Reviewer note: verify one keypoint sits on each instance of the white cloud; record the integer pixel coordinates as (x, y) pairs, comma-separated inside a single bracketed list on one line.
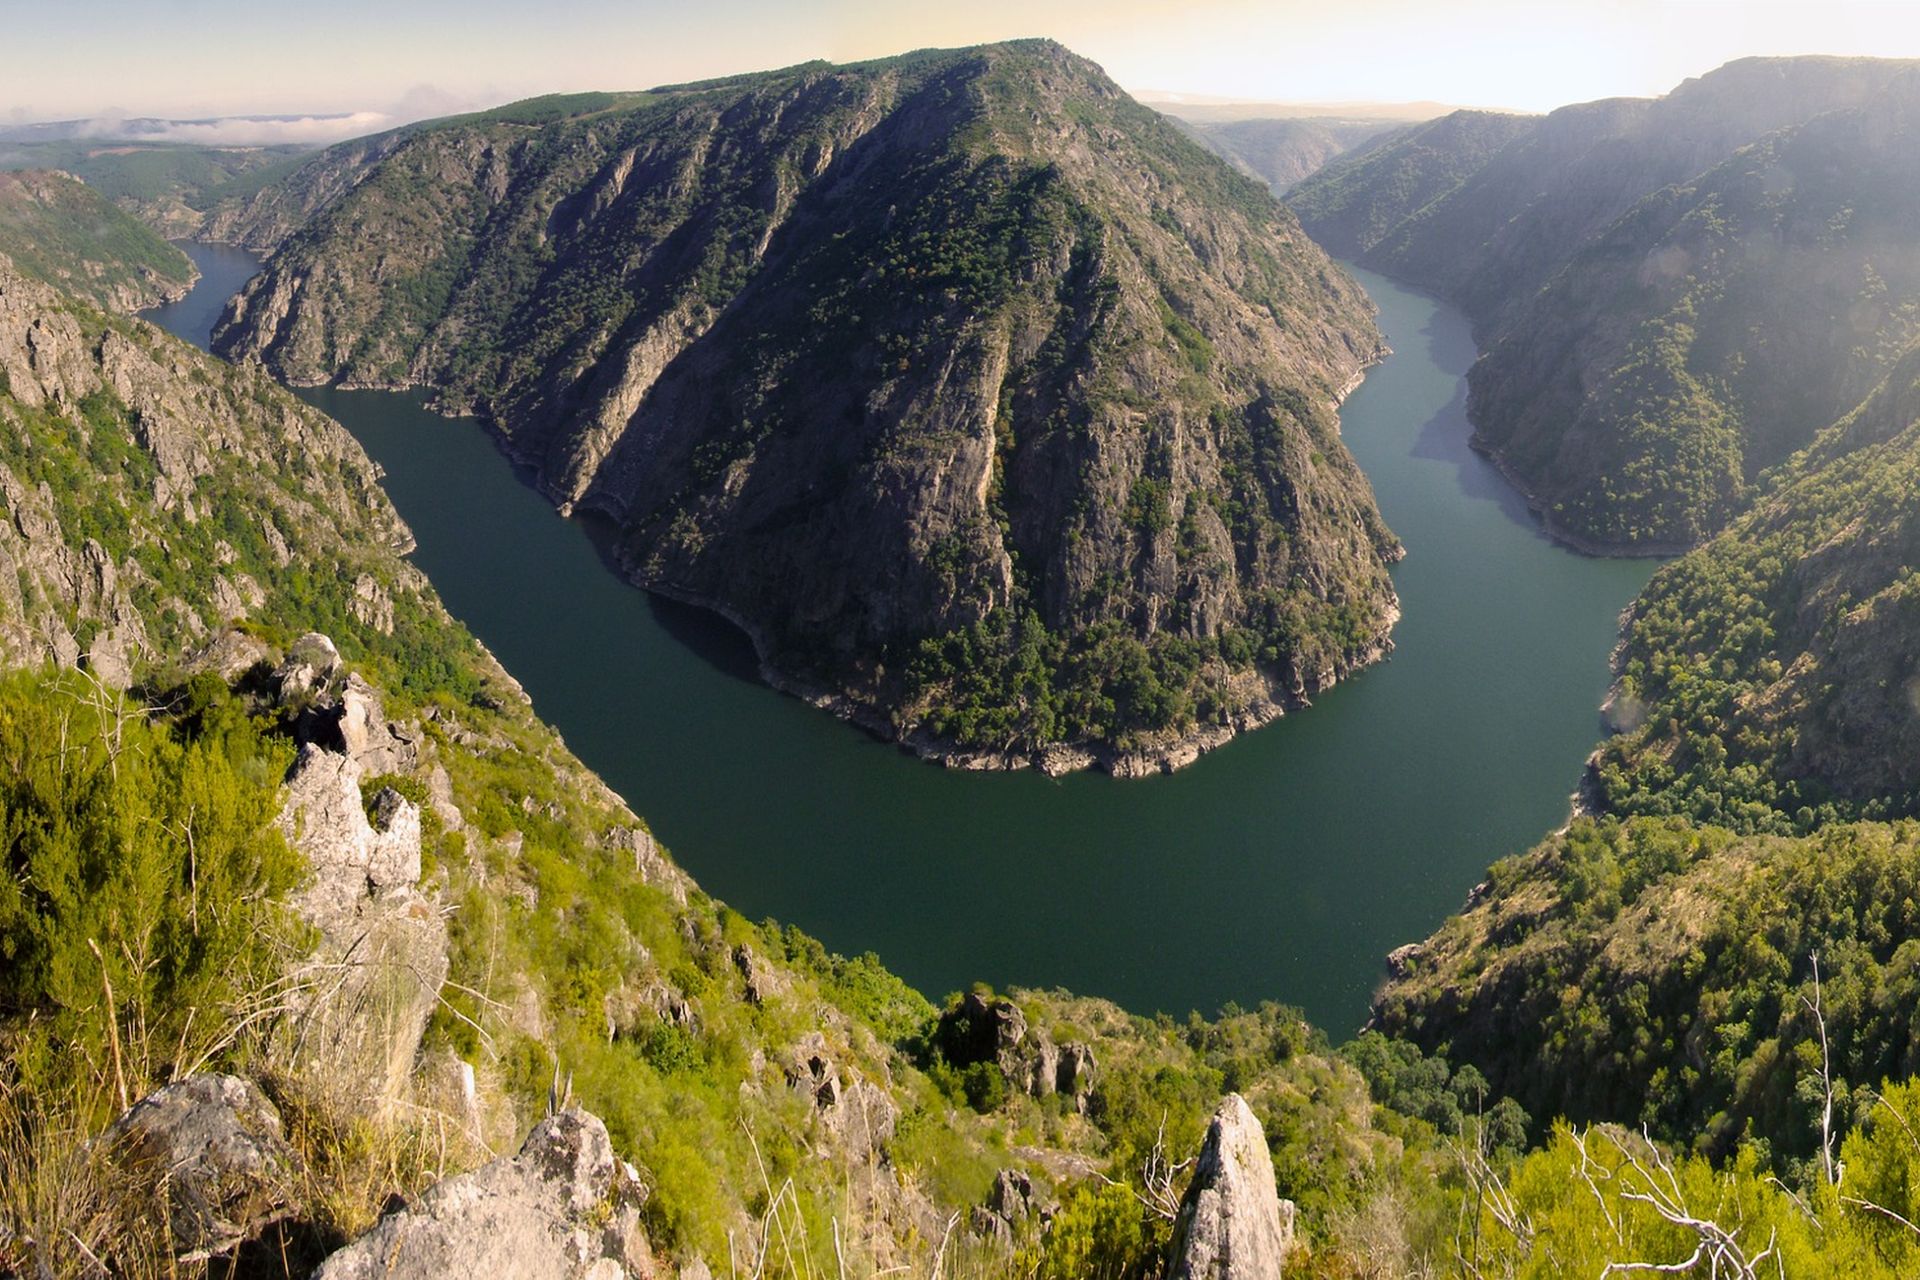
[(234, 131)]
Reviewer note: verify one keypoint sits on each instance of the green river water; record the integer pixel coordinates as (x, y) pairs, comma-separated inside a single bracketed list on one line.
[(1283, 866)]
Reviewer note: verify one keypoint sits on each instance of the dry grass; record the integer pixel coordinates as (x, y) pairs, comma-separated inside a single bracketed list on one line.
[(65, 1208)]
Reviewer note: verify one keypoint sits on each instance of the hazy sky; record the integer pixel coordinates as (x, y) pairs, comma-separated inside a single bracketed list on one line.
[(206, 57)]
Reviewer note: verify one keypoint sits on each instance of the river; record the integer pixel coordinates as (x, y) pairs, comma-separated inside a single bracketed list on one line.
[(1283, 866)]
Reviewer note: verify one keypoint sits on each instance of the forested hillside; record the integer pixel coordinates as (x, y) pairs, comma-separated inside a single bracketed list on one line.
[(1673, 294), (58, 230)]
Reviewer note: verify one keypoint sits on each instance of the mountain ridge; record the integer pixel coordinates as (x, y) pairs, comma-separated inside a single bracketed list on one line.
[(1624, 261), (1029, 308)]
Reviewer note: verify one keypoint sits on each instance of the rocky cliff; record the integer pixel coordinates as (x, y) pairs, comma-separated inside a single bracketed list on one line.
[(153, 495), (998, 413), (58, 230), (1673, 293)]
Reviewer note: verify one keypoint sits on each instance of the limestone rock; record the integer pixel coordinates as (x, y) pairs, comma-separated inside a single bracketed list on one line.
[(440, 799), (564, 1208), (1232, 1225), (210, 1151), (639, 1002)]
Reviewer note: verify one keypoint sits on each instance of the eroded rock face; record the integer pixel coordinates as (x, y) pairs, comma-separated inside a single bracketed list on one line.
[(563, 1208), (210, 1151), (649, 862), (223, 444), (1233, 1225)]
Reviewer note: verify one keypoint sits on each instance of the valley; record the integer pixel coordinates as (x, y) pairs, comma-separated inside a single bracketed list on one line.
[(1312, 847), (1471, 602)]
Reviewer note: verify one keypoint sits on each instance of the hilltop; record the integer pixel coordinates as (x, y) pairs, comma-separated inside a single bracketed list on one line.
[(997, 412)]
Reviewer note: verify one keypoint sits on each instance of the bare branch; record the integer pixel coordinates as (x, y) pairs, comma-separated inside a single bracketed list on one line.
[(1815, 1006)]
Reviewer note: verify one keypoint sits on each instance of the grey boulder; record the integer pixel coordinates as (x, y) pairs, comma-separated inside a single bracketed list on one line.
[(563, 1208), (209, 1150), (1232, 1224)]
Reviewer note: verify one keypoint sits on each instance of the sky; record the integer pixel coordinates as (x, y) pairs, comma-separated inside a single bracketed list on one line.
[(389, 60)]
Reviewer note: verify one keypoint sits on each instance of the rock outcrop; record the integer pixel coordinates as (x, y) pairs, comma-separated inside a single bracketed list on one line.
[(364, 997), (210, 1153), (1233, 1224), (982, 1030), (1011, 1202), (338, 711), (856, 1114), (564, 1208)]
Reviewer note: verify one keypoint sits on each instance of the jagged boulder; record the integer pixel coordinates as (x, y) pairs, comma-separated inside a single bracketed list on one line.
[(1009, 1204), (209, 1152), (338, 710), (309, 670), (1233, 1224), (1075, 1075), (563, 1208), (983, 1030)]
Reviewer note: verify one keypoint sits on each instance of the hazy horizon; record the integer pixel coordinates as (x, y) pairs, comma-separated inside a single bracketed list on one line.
[(198, 59)]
